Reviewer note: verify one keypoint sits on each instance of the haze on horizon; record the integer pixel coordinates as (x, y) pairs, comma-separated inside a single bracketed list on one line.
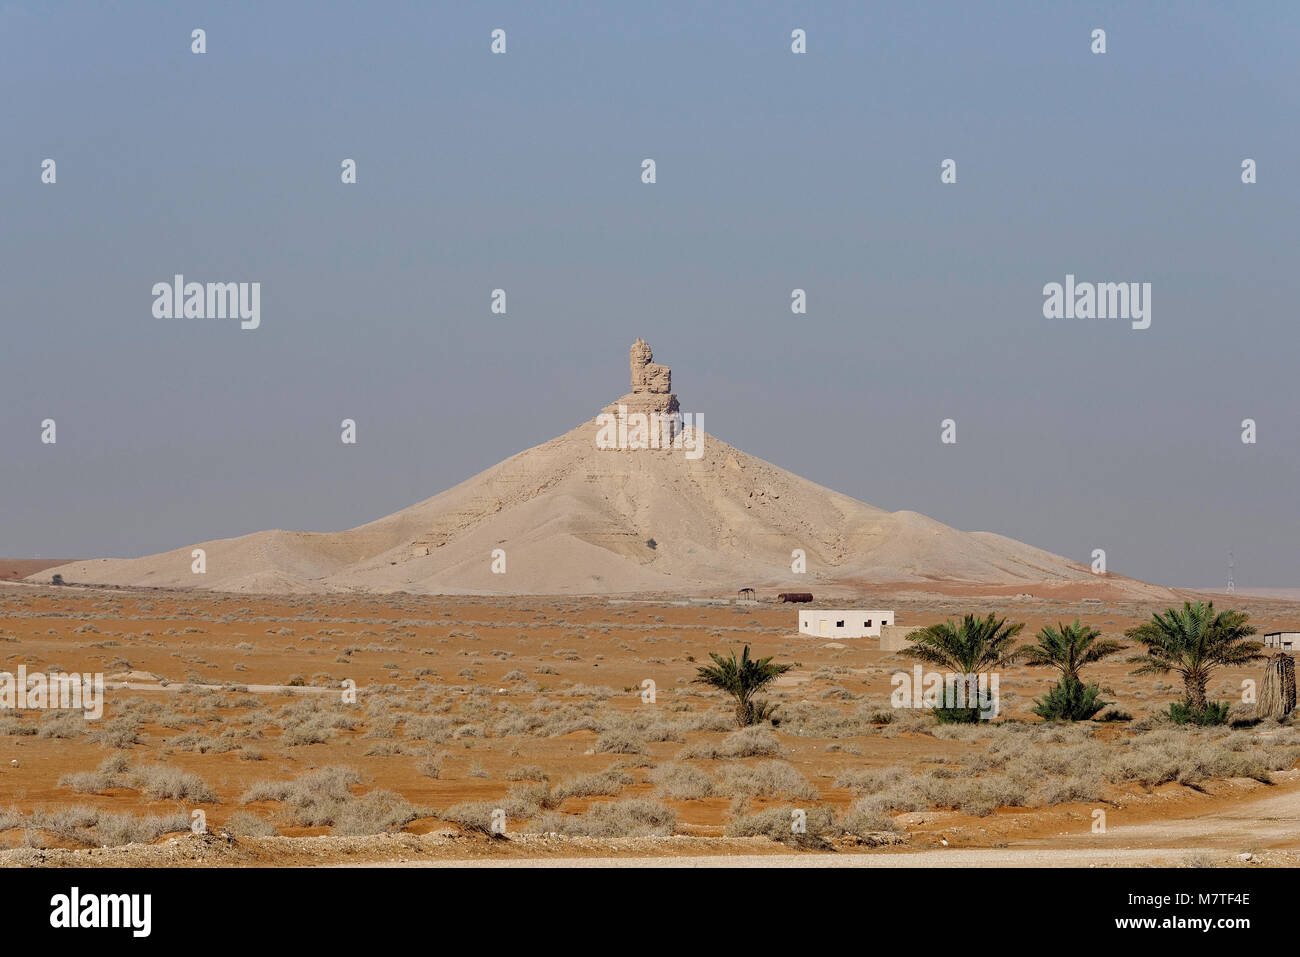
[(775, 171)]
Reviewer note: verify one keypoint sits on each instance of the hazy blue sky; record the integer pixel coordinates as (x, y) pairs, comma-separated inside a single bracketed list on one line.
[(775, 171)]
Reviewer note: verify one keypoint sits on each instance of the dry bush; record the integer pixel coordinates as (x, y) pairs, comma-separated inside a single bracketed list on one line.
[(156, 782), (92, 827), (247, 824), (526, 772), (809, 720), (474, 816), (323, 798), (332, 783), (607, 783), (867, 822), (524, 801), (778, 824), (754, 741), (637, 817), (1191, 756), (681, 782), (159, 782), (621, 740), (774, 779), (430, 727), (120, 732), (61, 724), (375, 812)]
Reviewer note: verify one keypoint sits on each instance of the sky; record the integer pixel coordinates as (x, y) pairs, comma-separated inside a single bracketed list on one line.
[(774, 171)]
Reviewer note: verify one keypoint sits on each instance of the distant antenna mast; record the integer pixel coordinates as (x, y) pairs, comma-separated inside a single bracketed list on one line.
[(1232, 573)]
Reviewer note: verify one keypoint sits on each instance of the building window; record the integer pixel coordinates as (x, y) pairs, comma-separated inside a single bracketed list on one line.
[(867, 623), (839, 624)]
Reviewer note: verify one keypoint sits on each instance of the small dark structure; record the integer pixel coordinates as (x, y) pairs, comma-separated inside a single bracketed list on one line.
[(746, 594), (799, 597)]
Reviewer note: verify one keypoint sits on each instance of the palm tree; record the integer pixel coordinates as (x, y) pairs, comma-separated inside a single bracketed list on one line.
[(973, 646), (969, 647), (742, 678), (1067, 648), (1193, 643)]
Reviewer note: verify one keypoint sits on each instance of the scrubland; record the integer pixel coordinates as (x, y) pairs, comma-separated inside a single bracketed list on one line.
[(536, 712)]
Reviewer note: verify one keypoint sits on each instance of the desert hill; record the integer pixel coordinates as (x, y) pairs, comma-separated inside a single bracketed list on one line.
[(575, 518)]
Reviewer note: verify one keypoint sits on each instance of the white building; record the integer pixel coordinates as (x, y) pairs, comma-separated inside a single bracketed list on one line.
[(843, 622), (1285, 640)]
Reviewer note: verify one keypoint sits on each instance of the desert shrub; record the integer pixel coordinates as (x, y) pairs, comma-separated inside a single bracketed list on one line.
[(871, 780), (776, 779), (315, 730), (780, 823), (1074, 789), (120, 732), (313, 798), (607, 783), (1172, 756), (247, 824), (979, 796), (525, 800), (473, 816), (810, 720), (111, 773), (1212, 713), (203, 744), (159, 782), (621, 741), (375, 812), (95, 828), (118, 829), (430, 727), (681, 782), (751, 742), (431, 767), (156, 782), (526, 772), (661, 730), (866, 822), (61, 724), (16, 727), (637, 817)]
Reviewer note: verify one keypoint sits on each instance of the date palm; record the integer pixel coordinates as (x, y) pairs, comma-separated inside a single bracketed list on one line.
[(1067, 648), (1194, 643), (742, 678), (968, 648)]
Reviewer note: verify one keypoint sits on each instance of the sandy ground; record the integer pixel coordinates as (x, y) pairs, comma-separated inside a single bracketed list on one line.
[(1210, 839), (166, 654), (12, 569)]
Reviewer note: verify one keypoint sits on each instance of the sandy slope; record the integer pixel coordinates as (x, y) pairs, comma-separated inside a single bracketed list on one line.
[(574, 519)]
